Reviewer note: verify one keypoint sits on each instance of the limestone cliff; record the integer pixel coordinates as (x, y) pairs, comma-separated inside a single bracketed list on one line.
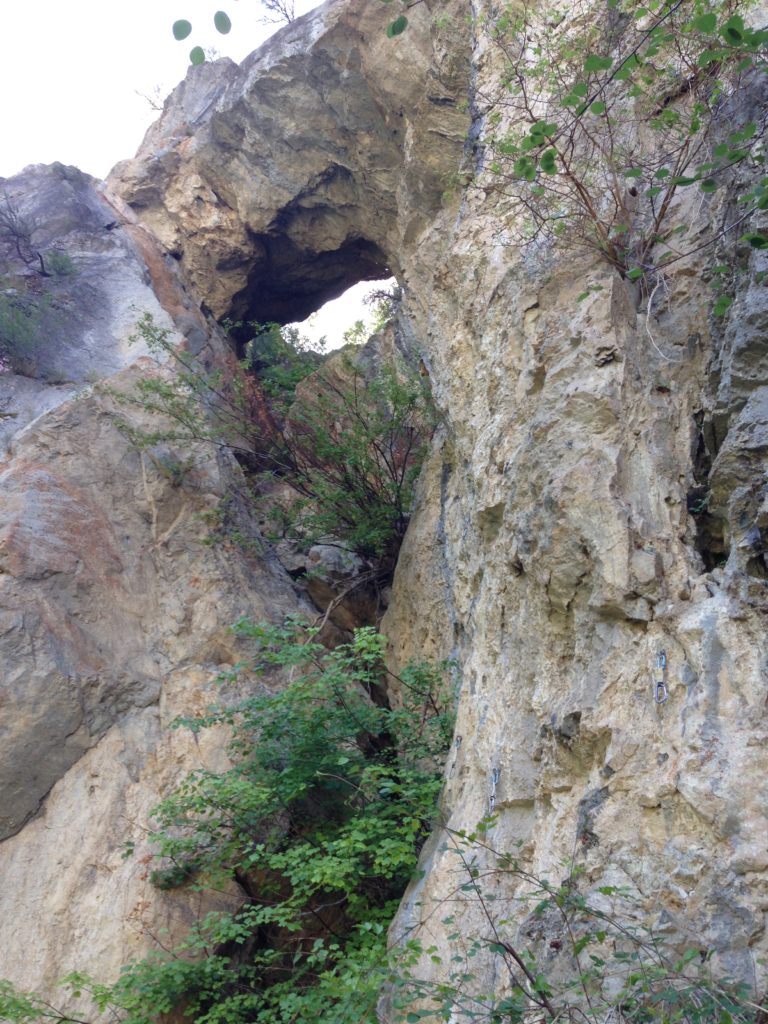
[(114, 612), (561, 544)]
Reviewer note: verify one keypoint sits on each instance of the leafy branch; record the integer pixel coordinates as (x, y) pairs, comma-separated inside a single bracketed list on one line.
[(596, 130), (348, 448)]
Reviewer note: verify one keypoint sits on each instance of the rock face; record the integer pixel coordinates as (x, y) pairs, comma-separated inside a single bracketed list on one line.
[(553, 555), (281, 182), (596, 498), (114, 612)]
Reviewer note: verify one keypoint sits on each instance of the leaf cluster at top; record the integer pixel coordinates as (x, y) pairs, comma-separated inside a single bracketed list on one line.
[(600, 123)]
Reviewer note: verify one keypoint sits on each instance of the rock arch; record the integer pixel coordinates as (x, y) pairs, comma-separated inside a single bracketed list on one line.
[(281, 182)]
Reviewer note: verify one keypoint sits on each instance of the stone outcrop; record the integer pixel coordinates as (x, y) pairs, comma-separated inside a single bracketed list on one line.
[(114, 608), (281, 182), (554, 554), (595, 497)]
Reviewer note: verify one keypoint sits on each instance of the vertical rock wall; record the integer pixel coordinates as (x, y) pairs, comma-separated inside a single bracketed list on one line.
[(563, 540), (596, 502)]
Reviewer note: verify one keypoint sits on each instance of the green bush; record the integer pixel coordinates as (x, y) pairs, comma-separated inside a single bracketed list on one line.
[(280, 359), (357, 445), (320, 821), (59, 264), (348, 446)]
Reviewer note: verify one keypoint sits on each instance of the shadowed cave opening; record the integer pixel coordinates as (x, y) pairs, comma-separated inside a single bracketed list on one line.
[(286, 283)]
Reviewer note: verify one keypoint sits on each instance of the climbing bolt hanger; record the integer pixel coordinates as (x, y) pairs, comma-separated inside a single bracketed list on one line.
[(495, 776), (660, 692)]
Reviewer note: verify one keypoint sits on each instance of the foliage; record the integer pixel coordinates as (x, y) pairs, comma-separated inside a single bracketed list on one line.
[(218, 407), (319, 820), (59, 264), (25, 300), (274, 11), (16, 243), (280, 359), (358, 445), (583, 958), (600, 123), (348, 448), (534, 951), (23, 318), (382, 304)]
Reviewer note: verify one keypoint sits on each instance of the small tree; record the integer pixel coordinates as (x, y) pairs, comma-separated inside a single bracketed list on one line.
[(348, 446), (600, 123), (16, 233)]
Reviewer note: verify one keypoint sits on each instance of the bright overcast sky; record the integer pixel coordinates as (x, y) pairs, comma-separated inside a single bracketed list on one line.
[(72, 73)]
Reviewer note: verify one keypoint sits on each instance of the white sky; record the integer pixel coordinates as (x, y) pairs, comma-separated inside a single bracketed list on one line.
[(71, 70), (70, 74)]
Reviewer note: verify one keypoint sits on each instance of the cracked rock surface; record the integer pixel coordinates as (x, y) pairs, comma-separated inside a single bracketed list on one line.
[(596, 496)]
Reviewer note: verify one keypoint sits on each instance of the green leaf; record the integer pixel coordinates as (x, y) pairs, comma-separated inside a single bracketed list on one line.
[(598, 107), (635, 273), (181, 29), (709, 56), (222, 22), (543, 128), (746, 133), (525, 168), (633, 172), (549, 161), (709, 185), (733, 30), (197, 55), (755, 239), (597, 63), (705, 23), (722, 305), (681, 179), (397, 27), (585, 294)]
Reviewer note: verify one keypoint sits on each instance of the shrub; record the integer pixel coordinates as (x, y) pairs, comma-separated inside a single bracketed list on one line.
[(59, 264), (280, 359), (320, 821), (548, 951), (601, 122), (348, 446), (356, 447)]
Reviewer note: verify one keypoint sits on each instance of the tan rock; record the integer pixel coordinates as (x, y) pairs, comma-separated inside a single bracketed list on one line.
[(552, 555)]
